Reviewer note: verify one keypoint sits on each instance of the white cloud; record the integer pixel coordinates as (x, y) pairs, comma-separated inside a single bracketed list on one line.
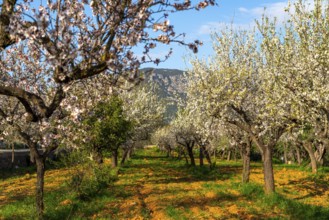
[(249, 15), (211, 27), (271, 10), (276, 10)]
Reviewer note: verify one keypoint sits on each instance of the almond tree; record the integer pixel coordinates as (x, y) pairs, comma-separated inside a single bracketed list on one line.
[(45, 47), (241, 140), (209, 127), (185, 133), (206, 127), (164, 139), (146, 110), (299, 54), (240, 89)]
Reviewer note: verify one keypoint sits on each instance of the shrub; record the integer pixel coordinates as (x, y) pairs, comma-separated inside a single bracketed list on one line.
[(90, 180)]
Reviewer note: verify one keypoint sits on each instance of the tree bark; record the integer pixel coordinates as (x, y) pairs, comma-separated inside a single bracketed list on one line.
[(235, 154), (12, 155), (285, 155), (223, 155), (228, 155), (310, 151), (319, 154), (268, 170), (40, 162), (299, 160), (114, 158), (201, 156), (206, 153), (168, 151), (130, 152), (124, 156), (246, 163), (190, 153)]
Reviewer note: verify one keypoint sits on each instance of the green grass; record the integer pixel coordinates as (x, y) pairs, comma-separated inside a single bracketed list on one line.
[(175, 213), (177, 189)]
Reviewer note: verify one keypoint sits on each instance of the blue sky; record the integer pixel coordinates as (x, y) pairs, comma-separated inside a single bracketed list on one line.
[(199, 25)]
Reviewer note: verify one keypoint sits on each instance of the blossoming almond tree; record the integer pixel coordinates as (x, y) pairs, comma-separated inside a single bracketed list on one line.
[(206, 127), (299, 55), (146, 110), (164, 139), (185, 133), (240, 90), (48, 46)]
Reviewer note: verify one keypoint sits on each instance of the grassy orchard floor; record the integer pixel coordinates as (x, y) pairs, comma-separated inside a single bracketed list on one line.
[(151, 186)]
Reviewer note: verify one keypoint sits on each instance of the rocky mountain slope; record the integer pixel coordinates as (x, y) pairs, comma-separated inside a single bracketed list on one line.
[(171, 85)]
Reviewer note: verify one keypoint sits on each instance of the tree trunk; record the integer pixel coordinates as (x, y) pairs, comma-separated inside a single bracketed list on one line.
[(223, 155), (124, 156), (32, 159), (40, 162), (228, 155), (246, 163), (268, 170), (12, 155), (285, 155), (114, 158), (319, 154), (130, 152), (310, 151), (190, 154), (168, 152), (206, 153), (235, 155), (201, 155), (299, 160), (179, 156), (186, 159)]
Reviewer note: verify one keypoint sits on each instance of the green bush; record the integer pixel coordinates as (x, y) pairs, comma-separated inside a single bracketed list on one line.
[(88, 182)]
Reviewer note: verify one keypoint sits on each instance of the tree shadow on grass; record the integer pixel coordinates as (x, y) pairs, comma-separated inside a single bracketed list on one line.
[(22, 171), (296, 209), (16, 172), (315, 185)]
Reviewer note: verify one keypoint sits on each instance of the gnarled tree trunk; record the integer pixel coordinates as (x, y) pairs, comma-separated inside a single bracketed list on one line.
[(189, 147), (228, 155), (12, 155), (206, 153), (125, 155), (115, 158), (298, 157), (319, 154), (246, 162), (201, 156), (268, 170), (285, 154), (309, 148), (40, 162)]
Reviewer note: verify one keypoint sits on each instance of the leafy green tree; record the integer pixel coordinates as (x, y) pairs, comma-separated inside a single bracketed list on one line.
[(108, 128)]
